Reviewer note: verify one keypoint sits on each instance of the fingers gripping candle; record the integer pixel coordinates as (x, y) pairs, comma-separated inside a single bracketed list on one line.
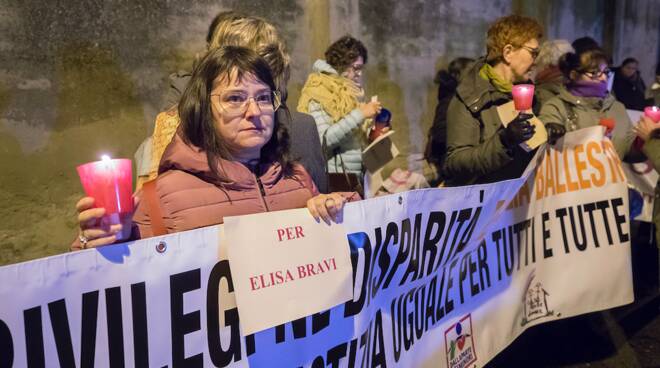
[(110, 182)]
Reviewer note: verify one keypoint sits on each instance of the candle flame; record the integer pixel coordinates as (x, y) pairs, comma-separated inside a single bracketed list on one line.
[(105, 158)]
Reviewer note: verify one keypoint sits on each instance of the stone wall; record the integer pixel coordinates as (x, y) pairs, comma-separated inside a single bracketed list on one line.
[(81, 78)]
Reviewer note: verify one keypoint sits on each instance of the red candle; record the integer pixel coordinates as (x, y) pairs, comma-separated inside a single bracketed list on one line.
[(523, 96), (652, 112), (110, 183)]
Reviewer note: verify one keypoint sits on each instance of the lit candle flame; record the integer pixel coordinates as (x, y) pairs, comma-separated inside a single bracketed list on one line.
[(105, 158)]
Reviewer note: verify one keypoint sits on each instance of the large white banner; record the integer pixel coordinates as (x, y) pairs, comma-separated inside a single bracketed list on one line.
[(442, 278)]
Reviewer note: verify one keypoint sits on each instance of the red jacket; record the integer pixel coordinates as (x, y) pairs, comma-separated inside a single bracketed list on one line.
[(191, 196)]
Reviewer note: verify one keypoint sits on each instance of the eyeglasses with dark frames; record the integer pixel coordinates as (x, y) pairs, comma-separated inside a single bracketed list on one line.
[(532, 51), (596, 74)]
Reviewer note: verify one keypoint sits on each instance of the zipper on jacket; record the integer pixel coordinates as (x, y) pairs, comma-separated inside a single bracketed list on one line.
[(262, 192)]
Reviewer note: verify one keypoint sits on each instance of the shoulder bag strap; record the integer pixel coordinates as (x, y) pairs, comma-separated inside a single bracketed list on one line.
[(152, 203)]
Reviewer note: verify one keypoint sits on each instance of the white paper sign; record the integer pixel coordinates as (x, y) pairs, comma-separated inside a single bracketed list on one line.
[(286, 266)]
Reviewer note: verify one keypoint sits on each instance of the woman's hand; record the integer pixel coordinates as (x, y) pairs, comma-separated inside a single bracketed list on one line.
[(328, 207), (645, 127), (371, 109), (94, 231)]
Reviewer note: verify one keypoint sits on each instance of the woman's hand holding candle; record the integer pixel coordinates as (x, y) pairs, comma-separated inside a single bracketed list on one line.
[(105, 214), (517, 131), (645, 128), (95, 230)]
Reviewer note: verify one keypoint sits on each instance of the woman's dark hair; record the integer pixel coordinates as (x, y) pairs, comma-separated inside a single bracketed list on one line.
[(343, 52), (585, 43), (586, 61), (447, 80), (197, 124)]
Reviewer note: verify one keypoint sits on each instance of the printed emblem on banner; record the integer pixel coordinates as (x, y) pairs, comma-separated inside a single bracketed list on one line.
[(459, 344), (535, 302)]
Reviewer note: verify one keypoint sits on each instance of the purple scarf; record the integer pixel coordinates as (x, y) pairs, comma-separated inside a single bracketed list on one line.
[(588, 89)]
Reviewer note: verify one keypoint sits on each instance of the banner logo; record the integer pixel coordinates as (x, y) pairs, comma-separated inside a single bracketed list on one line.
[(535, 302), (459, 344)]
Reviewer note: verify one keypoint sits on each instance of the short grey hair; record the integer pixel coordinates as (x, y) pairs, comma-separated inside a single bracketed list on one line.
[(551, 51)]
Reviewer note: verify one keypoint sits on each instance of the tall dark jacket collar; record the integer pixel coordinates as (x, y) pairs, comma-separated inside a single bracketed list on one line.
[(476, 92)]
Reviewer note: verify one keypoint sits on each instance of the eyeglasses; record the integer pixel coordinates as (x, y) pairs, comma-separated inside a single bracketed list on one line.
[(595, 75), (532, 51), (236, 103), (357, 68)]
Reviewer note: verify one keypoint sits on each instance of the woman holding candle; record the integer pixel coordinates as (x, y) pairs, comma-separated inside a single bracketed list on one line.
[(229, 157), (479, 148), (332, 94), (585, 101)]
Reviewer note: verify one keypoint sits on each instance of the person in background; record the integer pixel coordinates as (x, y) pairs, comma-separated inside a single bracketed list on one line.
[(333, 95), (549, 79), (585, 101), (479, 148), (235, 29), (229, 157), (629, 88), (436, 146), (219, 25)]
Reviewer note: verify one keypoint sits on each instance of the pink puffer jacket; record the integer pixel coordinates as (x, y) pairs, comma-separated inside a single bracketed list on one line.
[(192, 197)]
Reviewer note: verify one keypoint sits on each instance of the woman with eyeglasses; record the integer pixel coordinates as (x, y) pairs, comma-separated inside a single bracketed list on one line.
[(333, 95), (480, 149), (229, 156), (585, 101)]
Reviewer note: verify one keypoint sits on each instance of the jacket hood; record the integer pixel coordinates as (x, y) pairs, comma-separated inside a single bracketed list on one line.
[(554, 87), (474, 90), (322, 66), (183, 156)]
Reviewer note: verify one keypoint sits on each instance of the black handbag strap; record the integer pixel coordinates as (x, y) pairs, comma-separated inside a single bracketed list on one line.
[(324, 147)]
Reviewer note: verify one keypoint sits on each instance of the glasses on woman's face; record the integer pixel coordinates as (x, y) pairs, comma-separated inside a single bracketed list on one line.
[(237, 103), (357, 68), (534, 52), (597, 74)]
